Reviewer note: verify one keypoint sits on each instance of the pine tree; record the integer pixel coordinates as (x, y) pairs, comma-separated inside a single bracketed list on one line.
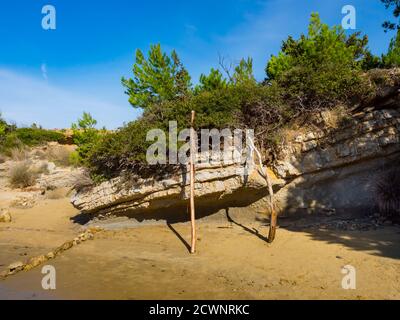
[(157, 78)]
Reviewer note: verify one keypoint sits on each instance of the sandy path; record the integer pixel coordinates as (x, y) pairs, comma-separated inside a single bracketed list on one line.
[(232, 262)]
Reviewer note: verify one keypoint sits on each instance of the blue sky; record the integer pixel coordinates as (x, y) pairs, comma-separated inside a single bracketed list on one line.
[(51, 77)]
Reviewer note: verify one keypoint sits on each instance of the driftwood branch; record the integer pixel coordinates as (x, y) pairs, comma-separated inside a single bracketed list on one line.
[(264, 173)]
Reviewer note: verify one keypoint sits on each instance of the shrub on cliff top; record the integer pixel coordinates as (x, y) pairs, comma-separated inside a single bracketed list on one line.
[(319, 69), (121, 150), (158, 78), (126, 148), (85, 136)]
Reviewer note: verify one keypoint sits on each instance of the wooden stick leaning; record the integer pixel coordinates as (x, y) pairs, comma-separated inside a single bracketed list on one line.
[(192, 178)]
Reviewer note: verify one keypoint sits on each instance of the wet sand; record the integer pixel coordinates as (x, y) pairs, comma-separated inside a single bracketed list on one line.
[(233, 260)]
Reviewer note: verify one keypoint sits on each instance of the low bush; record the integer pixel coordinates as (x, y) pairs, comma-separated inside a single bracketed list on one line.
[(321, 69), (74, 159), (19, 154), (36, 136), (21, 175), (27, 137), (122, 150), (9, 142), (85, 136)]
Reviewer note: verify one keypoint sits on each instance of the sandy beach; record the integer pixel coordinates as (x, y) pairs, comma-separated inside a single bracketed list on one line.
[(233, 261)]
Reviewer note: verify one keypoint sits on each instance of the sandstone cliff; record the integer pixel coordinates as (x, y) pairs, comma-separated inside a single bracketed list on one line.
[(317, 170), (217, 186), (336, 170)]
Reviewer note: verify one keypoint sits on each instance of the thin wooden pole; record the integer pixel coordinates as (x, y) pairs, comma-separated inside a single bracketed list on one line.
[(192, 177)]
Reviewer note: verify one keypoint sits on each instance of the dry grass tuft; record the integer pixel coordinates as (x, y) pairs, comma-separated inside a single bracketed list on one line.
[(42, 169), (60, 155), (288, 135), (19, 154), (21, 175), (40, 154), (335, 118)]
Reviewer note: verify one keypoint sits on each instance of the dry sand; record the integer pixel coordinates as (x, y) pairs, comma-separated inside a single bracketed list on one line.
[(233, 260)]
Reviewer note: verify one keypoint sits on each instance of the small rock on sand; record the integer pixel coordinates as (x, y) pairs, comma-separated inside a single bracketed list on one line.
[(15, 267), (35, 261), (5, 216), (50, 255)]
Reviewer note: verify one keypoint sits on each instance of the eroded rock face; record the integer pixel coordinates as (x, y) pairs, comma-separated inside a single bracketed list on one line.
[(319, 170), (337, 169), (61, 178), (367, 135), (216, 187)]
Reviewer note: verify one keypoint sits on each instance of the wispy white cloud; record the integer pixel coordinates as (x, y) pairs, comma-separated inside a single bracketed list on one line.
[(258, 35), (43, 68), (190, 29), (26, 99)]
